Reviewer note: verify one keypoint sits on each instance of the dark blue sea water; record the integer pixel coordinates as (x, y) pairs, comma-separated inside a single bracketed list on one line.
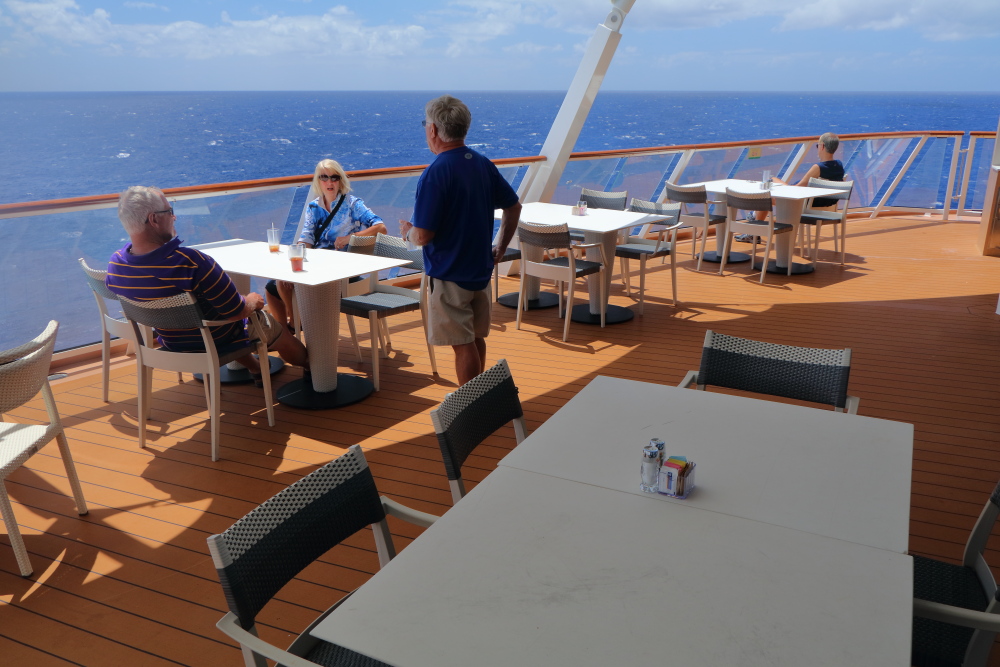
[(58, 145)]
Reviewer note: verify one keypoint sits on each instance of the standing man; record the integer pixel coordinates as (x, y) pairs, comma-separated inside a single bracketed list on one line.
[(453, 221), (154, 265)]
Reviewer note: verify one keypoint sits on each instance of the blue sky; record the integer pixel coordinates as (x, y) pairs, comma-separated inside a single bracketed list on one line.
[(863, 45)]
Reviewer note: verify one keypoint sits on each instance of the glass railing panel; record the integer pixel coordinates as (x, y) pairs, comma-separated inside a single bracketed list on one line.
[(710, 165), (873, 166), (924, 183), (593, 174), (42, 277), (757, 159), (975, 196), (642, 175)]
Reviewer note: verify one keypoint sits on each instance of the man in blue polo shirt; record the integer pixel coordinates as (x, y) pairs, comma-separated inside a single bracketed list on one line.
[(453, 221)]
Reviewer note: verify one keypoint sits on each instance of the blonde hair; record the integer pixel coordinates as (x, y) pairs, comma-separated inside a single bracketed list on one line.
[(324, 166)]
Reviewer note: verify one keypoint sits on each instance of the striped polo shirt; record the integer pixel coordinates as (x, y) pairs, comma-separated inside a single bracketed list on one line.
[(170, 270)]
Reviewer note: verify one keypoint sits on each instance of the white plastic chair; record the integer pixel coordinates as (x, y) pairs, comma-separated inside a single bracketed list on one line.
[(24, 371)]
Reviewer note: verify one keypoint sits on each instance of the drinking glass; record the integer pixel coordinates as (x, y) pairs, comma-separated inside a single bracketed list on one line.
[(581, 207), (766, 180), (274, 239), (296, 254)]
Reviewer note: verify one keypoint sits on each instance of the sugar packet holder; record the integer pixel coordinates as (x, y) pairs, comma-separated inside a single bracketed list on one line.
[(676, 486)]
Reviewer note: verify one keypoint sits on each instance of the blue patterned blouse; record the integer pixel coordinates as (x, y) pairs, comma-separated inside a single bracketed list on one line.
[(352, 218)]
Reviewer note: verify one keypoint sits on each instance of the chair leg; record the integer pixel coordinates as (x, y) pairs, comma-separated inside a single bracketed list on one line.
[(354, 337), (767, 256), (604, 297), (384, 328), (704, 238), (74, 479), (105, 362), (626, 270), (673, 275), (642, 283), (14, 533), (725, 249), (843, 239), (569, 307), (521, 290), (374, 327), (215, 407), (266, 377), (430, 348), (143, 402)]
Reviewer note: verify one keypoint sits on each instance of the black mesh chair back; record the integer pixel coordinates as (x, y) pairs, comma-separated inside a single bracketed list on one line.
[(173, 312), (803, 373), (748, 201), (394, 247), (473, 412), (949, 597), (268, 547), (670, 212), (686, 194), (600, 199), (544, 236)]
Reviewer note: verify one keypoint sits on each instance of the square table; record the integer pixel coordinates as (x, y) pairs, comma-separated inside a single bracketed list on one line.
[(318, 300), (788, 204), (529, 569), (824, 472), (599, 226)]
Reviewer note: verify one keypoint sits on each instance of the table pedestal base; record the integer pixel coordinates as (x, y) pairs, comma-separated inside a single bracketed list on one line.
[(350, 389), (797, 269), (544, 300), (242, 376), (716, 258), (614, 315)]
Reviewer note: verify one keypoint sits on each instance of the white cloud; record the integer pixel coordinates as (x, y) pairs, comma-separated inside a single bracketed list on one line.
[(530, 48), (338, 31), (145, 5)]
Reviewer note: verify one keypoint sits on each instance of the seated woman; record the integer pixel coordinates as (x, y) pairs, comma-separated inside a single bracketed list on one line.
[(330, 221)]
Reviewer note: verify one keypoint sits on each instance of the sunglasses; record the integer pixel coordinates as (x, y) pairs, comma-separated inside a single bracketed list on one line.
[(169, 210), (335, 177)]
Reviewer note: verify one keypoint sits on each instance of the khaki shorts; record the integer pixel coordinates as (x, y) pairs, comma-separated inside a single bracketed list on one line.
[(457, 316), (271, 327)]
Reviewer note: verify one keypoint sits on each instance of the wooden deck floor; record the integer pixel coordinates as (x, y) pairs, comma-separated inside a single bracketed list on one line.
[(132, 582)]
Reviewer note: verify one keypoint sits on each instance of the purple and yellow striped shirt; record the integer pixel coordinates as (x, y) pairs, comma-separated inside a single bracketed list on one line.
[(170, 270)]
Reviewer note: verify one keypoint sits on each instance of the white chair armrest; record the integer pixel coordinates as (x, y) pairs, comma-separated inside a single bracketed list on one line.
[(392, 289), (689, 379), (229, 624), (945, 613), (852, 405), (407, 514)]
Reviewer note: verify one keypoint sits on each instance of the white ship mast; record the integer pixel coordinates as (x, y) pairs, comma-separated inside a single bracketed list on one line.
[(541, 180)]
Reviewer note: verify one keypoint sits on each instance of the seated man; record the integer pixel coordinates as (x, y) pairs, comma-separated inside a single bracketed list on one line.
[(827, 168), (155, 265)]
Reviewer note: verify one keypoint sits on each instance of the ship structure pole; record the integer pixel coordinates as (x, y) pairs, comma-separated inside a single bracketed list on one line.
[(540, 182)]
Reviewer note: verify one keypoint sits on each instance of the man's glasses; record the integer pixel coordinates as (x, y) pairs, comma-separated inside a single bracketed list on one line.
[(423, 123), (333, 177), (169, 210)]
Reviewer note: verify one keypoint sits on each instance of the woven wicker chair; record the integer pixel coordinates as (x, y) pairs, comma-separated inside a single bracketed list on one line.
[(268, 547), (470, 414), (803, 373), (752, 201), (182, 312), (641, 248), (817, 217), (955, 607), (110, 326), (375, 302), (687, 196), (613, 201), (560, 269), (24, 371)]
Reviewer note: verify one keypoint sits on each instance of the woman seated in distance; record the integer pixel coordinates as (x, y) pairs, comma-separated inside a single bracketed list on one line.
[(331, 219)]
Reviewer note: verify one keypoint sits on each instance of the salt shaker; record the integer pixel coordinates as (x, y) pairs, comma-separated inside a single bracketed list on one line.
[(650, 469)]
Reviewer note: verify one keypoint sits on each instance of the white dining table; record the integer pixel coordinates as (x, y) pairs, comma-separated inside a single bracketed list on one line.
[(789, 201), (530, 569), (824, 472), (599, 226), (318, 300)]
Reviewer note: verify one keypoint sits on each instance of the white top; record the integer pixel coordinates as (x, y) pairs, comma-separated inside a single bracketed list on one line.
[(598, 220), (534, 570), (777, 191), (253, 258), (826, 472)]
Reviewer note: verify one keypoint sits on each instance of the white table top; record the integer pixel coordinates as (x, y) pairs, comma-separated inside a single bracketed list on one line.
[(531, 570), (777, 191), (597, 220), (253, 258), (829, 473)]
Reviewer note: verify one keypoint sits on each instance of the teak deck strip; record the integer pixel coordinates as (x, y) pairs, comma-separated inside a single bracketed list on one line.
[(132, 582)]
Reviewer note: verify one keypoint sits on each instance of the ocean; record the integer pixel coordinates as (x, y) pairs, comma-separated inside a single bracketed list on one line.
[(58, 145)]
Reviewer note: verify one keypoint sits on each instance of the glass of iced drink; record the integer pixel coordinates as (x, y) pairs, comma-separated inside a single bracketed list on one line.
[(296, 254), (274, 239)]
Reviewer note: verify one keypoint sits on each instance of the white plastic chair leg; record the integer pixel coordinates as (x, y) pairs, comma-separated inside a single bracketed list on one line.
[(214, 408), (71, 475), (105, 363), (704, 239), (604, 297), (520, 299), (569, 307), (14, 533), (626, 271), (642, 283), (143, 402), (373, 326), (384, 328), (673, 275), (767, 255), (354, 337)]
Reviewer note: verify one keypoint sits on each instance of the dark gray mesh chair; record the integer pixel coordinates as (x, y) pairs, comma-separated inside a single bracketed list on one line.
[(509, 255), (803, 373), (375, 301), (470, 414), (182, 312), (268, 547), (955, 607), (560, 269), (752, 201), (834, 215), (614, 201), (689, 196), (641, 248)]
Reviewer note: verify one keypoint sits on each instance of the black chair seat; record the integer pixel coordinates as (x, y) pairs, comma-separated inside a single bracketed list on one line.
[(779, 227), (820, 216), (382, 302), (716, 219), (578, 236), (333, 655), (936, 643), (583, 267), (639, 250), (510, 254)]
